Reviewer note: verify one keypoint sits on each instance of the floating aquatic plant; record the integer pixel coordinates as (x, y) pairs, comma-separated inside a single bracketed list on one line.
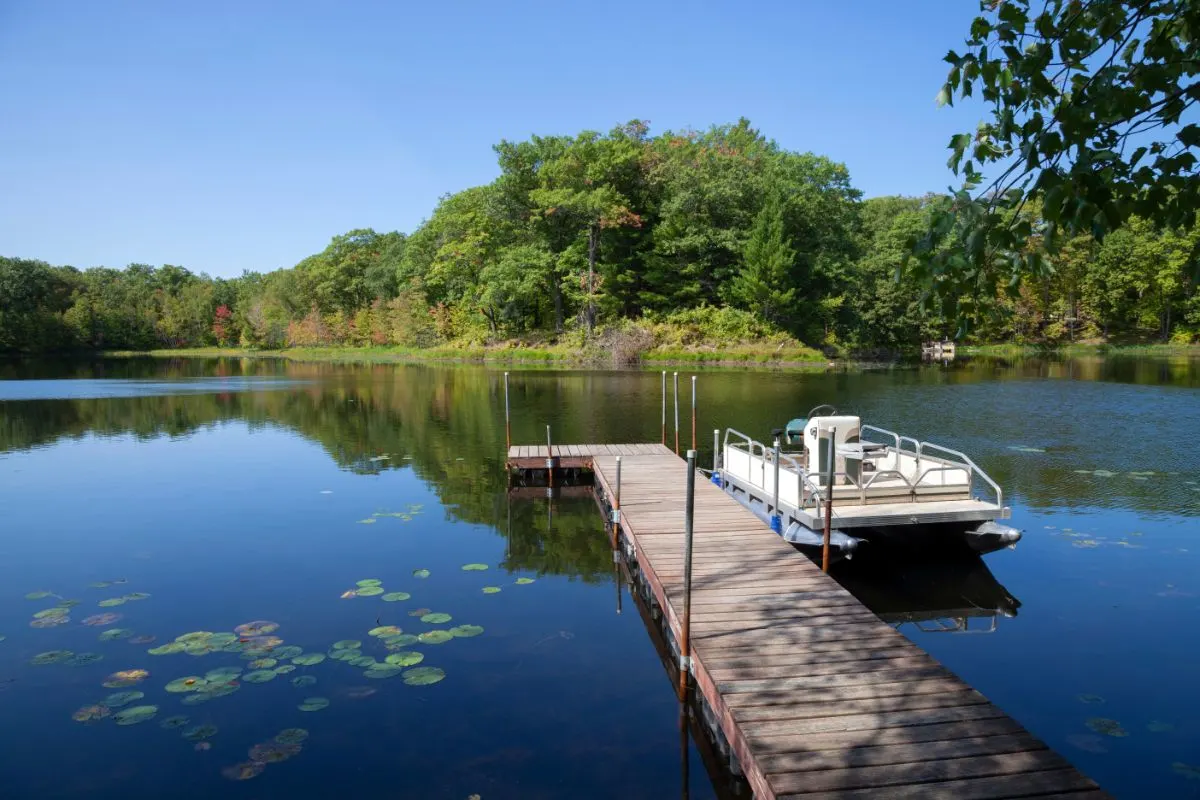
[(261, 642), (170, 648), (99, 585), (1085, 543), (405, 658), (370, 591), (100, 620), (222, 674), (118, 699), (126, 677), (49, 622), (200, 649), (259, 676), (112, 601), (421, 573), (38, 595), (419, 612), (273, 752), (259, 627), (474, 567), (423, 676), (347, 644), (82, 659), (466, 631), (435, 637), (291, 736), (188, 683), (362, 661), (136, 596), (345, 655), (91, 713), (244, 771), (368, 582), (308, 659), (200, 732), (288, 652), (314, 704), (135, 715), (490, 589), (50, 657), (51, 612), (177, 721), (367, 521), (68, 603), (142, 639), (1108, 727), (383, 631), (262, 663), (113, 634), (195, 637), (303, 680), (222, 639), (524, 581), (380, 671), (284, 669), (394, 597), (396, 642)]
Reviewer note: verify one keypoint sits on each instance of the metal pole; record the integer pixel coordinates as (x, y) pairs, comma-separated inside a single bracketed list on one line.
[(776, 519), (828, 502), (616, 517), (676, 413), (685, 653), (716, 449), (664, 416), (693, 412), (507, 423), (549, 459)]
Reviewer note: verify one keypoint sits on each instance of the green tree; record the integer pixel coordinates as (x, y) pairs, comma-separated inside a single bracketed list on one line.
[(764, 283)]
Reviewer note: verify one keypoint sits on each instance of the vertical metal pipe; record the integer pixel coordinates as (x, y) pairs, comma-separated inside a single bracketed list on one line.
[(664, 416), (676, 413), (616, 507), (716, 449), (549, 459), (776, 518), (829, 501), (507, 423), (693, 412), (685, 652)]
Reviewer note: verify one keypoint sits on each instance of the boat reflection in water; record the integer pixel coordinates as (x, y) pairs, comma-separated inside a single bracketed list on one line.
[(947, 596)]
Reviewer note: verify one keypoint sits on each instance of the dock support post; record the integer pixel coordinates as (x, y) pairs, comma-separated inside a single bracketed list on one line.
[(693, 412), (549, 459), (716, 471), (616, 509), (507, 424), (685, 651), (828, 502), (676, 413), (664, 416), (776, 518)]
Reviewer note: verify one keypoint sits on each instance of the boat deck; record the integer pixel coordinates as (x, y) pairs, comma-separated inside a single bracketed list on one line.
[(817, 696), (847, 515)]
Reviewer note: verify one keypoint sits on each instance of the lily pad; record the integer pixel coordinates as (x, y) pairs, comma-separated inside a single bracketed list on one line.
[(142, 639), (113, 634), (259, 676), (221, 674), (83, 659), (68, 603), (308, 659), (466, 631), (421, 573), (291, 736), (244, 771), (474, 567), (51, 612), (136, 595), (423, 676), (168, 649), (38, 595), (200, 733), (436, 618), (524, 581), (370, 591), (49, 622), (314, 704), (91, 713), (419, 612), (124, 678), (263, 663), (50, 657), (100, 620), (288, 652), (490, 589), (363, 661), (435, 637), (383, 671), (110, 602), (99, 585), (384, 631), (284, 669), (118, 699), (135, 715), (369, 582), (194, 637), (367, 521), (347, 644), (221, 639), (403, 640), (1108, 727), (345, 655), (188, 683), (259, 627), (304, 680), (273, 752), (405, 658), (394, 597), (177, 721)]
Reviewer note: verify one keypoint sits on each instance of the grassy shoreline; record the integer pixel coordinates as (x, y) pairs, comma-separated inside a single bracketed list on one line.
[(1088, 349)]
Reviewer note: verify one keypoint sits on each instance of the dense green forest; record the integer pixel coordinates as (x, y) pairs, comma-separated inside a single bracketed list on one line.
[(625, 241)]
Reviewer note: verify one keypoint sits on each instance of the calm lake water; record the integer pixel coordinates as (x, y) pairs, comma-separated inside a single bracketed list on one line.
[(233, 491)]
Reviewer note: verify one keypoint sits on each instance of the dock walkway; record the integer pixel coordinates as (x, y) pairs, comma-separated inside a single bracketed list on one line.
[(817, 697)]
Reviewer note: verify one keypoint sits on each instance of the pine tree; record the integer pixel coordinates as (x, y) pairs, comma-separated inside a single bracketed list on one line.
[(762, 284)]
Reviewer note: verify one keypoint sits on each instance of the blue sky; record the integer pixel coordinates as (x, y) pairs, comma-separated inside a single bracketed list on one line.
[(227, 136)]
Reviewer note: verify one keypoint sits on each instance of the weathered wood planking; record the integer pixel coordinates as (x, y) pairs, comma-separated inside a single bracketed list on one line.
[(817, 697)]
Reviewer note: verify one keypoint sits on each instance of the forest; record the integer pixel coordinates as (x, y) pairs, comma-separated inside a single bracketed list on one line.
[(626, 241)]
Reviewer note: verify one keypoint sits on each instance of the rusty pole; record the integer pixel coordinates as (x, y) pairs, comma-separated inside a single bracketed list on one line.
[(664, 416), (616, 509), (507, 424), (693, 412), (828, 502), (676, 413), (685, 652)]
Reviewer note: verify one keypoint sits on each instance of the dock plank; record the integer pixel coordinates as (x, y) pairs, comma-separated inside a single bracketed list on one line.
[(817, 697)]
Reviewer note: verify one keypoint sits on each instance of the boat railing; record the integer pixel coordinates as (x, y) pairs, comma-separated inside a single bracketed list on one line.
[(765, 455), (920, 451)]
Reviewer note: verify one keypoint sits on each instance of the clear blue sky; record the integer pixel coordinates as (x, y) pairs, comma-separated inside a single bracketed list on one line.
[(224, 136)]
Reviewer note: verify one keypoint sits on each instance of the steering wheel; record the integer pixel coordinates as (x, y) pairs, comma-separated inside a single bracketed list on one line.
[(831, 411)]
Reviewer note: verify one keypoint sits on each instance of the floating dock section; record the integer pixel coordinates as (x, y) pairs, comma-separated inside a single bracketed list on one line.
[(815, 695)]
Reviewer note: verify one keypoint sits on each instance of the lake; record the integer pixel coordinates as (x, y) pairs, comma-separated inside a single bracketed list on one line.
[(330, 511)]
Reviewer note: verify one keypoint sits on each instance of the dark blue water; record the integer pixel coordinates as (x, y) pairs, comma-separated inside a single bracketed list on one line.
[(236, 491)]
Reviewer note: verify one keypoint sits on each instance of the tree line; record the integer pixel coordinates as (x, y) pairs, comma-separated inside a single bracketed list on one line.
[(594, 233)]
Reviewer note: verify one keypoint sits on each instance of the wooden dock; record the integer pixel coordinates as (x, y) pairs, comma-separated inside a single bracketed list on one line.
[(817, 697)]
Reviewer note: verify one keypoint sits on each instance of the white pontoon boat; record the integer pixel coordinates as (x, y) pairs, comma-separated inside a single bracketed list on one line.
[(888, 490)]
